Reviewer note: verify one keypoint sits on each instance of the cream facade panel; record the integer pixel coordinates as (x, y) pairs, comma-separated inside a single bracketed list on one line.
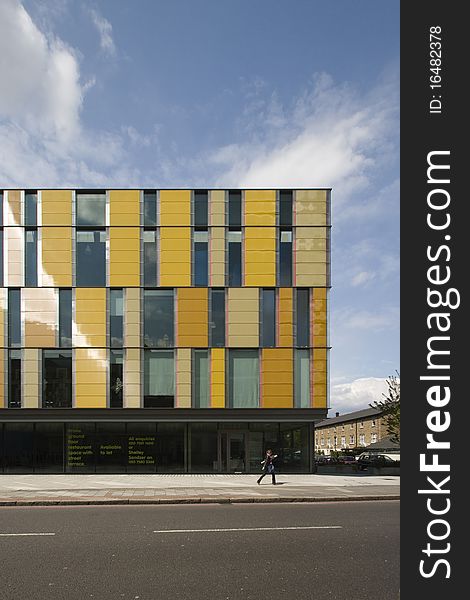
[(217, 257), (14, 252), (3, 314), (311, 267), (243, 318), (217, 208), (183, 378), (132, 319), (12, 207), (3, 399), (311, 207), (132, 378), (31, 357), (40, 312)]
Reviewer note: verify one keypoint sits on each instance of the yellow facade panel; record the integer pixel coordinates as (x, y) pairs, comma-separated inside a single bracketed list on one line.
[(56, 207), (56, 258), (90, 394), (90, 317), (192, 315), (175, 207), (39, 311), (260, 207), (12, 209), (217, 208), (285, 317), (260, 256), (175, 264), (124, 207), (124, 262), (217, 365), (277, 378)]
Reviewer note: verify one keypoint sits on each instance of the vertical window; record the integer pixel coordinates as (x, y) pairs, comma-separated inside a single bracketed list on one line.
[(234, 239), (65, 318), (201, 209), (30, 209), (116, 318), (150, 208), (200, 258), (159, 379), (285, 258), (200, 387), (31, 257), (116, 378), (150, 257), (302, 318), (158, 318), (243, 378), (57, 379), (217, 318), (91, 258), (285, 208), (14, 379), (235, 209), (302, 378), (91, 209), (14, 317), (268, 318)]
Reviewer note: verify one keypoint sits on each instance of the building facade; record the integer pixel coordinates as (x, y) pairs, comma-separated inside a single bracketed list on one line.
[(352, 430), (162, 330)]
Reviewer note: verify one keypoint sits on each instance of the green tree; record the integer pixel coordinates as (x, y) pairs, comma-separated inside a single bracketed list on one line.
[(390, 407)]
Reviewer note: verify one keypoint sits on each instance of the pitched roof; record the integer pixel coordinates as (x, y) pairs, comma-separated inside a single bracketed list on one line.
[(384, 444), (354, 416)]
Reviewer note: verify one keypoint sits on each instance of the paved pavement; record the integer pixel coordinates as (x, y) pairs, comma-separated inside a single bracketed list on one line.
[(192, 489)]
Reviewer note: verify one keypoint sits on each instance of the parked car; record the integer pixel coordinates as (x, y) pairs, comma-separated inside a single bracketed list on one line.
[(376, 460), (347, 459)]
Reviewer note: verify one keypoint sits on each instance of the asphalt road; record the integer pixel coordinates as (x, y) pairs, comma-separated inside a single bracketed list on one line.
[(334, 551)]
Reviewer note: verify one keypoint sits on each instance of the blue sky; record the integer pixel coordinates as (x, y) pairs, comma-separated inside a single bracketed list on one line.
[(212, 93)]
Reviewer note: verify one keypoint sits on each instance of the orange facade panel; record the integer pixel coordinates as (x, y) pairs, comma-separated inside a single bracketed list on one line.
[(217, 385), (192, 320), (285, 318), (175, 207), (319, 317), (124, 256), (277, 378), (319, 378), (56, 207)]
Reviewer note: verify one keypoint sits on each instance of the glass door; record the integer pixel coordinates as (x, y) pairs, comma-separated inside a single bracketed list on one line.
[(233, 451)]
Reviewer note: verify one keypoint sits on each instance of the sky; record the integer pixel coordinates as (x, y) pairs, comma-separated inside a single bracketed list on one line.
[(211, 93)]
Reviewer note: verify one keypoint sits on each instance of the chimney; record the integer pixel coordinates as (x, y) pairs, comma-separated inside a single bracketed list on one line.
[(337, 414)]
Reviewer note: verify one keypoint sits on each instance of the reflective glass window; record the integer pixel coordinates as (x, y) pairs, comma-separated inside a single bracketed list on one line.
[(268, 318), (201, 270), (200, 208), (80, 447), (235, 209), (65, 318), (14, 317), (159, 379), (302, 317), (150, 257), (217, 318), (48, 447), (57, 379), (31, 257), (302, 378), (200, 379), (150, 208), (158, 318), (116, 379), (234, 239), (91, 258), (18, 446), (204, 447), (243, 379), (285, 258), (91, 210), (116, 312), (111, 447), (30, 209), (14, 379), (170, 447), (285, 208)]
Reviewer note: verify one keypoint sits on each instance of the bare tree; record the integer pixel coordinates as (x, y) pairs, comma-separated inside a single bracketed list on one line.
[(390, 407)]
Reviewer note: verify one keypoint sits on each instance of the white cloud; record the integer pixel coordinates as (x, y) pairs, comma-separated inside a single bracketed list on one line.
[(357, 394), (41, 90), (362, 278), (383, 319), (105, 30)]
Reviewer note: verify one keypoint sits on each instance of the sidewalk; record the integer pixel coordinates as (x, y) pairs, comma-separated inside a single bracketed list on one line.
[(23, 490)]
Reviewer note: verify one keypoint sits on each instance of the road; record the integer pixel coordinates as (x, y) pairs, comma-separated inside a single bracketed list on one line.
[(335, 551)]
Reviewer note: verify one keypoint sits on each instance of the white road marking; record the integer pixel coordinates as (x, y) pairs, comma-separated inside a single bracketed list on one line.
[(22, 534), (247, 529)]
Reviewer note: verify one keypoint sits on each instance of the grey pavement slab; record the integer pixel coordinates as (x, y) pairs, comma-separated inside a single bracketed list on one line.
[(111, 489)]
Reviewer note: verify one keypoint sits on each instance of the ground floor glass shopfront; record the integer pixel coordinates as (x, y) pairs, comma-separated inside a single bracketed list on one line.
[(153, 447)]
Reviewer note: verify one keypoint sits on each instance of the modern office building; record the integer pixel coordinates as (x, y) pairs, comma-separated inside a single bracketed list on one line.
[(162, 330)]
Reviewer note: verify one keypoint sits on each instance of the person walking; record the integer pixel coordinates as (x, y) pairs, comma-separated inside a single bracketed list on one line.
[(268, 466)]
